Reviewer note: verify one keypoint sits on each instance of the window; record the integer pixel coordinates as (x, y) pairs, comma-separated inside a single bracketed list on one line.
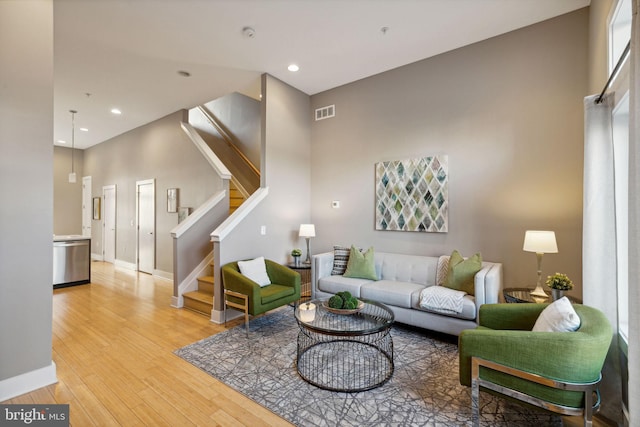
[(619, 31), (621, 176)]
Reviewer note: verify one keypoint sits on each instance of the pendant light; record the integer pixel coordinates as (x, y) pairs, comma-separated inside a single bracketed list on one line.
[(72, 175)]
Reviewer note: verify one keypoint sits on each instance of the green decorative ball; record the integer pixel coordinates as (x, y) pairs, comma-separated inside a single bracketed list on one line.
[(336, 301)]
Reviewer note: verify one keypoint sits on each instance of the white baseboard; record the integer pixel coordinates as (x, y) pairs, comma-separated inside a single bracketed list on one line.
[(125, 265), (27, 382), (177, 302), (97, 257), (217, 316), (163, 275)]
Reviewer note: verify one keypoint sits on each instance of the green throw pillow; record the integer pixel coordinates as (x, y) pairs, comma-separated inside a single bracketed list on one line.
[(461, 274), (361, 265)]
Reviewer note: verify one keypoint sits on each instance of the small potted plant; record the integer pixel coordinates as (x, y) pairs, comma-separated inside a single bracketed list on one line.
[(296, 253), (559, 283)]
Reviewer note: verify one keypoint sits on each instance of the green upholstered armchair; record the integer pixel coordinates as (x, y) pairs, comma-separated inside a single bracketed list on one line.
[(558, 371), (245, 294)]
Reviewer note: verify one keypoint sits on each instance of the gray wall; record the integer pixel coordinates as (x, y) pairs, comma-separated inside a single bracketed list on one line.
[(159, 150), (286, 172), (508, 113), (240, 115), (26, 168), (67, 197)]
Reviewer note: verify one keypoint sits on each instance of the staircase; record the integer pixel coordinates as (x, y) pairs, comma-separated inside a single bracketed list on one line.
[(201, 301), (235, 197)]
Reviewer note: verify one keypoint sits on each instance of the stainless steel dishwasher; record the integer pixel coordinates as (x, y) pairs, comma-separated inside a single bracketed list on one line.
[(71, 260)]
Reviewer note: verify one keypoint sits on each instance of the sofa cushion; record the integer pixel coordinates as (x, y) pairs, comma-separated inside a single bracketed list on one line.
[(462, 272), (468, 309), (407, 268), (399, 294), (335, 284), (272, 293), (361, 265)]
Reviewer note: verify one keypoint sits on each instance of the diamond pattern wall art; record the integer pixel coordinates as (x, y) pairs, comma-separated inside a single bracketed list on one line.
[(413, 195)]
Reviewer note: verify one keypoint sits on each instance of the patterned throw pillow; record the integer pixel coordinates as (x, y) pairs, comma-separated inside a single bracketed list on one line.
[(443, 269), (340, 260)]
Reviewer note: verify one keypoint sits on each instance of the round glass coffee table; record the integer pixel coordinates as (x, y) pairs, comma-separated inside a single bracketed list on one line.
[(345, 352)]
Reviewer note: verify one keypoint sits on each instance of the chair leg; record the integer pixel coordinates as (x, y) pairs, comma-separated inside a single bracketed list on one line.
[(475, 393), (244, 306), (588, 408)]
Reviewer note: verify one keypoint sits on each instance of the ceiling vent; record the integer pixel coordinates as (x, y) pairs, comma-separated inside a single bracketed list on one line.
[(325, 112)]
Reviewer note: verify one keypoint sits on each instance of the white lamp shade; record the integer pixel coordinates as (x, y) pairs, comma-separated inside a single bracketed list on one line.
[(307, 230), (543, 242)]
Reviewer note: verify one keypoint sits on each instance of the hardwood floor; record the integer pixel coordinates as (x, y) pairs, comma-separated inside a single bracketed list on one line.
[(113, 343)]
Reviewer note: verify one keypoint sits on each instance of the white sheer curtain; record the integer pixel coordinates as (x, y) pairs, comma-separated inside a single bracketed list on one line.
[(634, 221), (599, 282)]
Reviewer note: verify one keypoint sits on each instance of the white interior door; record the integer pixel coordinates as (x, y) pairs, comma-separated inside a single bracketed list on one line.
[(146, 225), (109, 223), (87, 207)]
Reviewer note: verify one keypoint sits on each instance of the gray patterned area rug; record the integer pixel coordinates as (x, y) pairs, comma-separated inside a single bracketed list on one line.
[(424, 389)]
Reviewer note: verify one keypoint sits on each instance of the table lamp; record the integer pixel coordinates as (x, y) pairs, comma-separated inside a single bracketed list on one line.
[(307, 231), (540, 242)]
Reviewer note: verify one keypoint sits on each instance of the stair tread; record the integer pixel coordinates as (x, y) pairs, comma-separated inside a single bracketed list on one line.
[(208, 279), (204, 297)]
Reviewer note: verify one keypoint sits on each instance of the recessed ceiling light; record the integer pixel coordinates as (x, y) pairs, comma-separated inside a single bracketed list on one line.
[(84, 129), (61, 141), (293, 68), (116, 111)]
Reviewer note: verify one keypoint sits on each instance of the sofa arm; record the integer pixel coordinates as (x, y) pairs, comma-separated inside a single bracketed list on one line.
[(321, 266), (235, 281), (487, 285), (282, 275)]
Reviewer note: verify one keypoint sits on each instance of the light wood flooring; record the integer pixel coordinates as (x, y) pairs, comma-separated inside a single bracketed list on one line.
[(113, 343)]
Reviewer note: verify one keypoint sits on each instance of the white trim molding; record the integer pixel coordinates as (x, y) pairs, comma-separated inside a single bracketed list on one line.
[(27, 382), (125, 265), (195, 216), (232, 221), (190, 283), (208, 154)]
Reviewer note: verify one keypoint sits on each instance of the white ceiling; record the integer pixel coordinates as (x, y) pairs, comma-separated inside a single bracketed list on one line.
[(126, 53)]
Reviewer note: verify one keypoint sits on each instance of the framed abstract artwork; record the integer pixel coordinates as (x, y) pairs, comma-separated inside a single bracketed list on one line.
[(413, 195)]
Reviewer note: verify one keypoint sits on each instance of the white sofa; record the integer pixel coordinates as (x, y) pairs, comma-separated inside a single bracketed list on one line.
[(401, 280)]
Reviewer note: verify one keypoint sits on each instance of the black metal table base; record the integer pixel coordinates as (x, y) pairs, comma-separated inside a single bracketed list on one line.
[(346, 364)]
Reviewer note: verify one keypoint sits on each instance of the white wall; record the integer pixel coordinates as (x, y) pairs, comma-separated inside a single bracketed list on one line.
[(508, 113), (26, 215)]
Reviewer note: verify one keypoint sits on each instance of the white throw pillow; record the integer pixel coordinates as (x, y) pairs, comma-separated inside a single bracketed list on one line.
[(256, 270), (558, 317)]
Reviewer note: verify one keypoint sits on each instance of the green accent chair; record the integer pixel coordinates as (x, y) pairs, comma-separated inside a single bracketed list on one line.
[(246, 295), (557, 371)]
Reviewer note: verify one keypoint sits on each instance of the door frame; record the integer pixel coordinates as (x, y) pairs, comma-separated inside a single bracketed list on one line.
[(104, 219), (151, 181)]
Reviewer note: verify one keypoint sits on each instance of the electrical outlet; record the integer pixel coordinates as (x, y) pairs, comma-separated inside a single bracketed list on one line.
[(263, 230)]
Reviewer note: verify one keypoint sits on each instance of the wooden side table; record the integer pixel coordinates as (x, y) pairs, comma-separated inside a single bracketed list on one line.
[(521, 295), (305, 279)]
